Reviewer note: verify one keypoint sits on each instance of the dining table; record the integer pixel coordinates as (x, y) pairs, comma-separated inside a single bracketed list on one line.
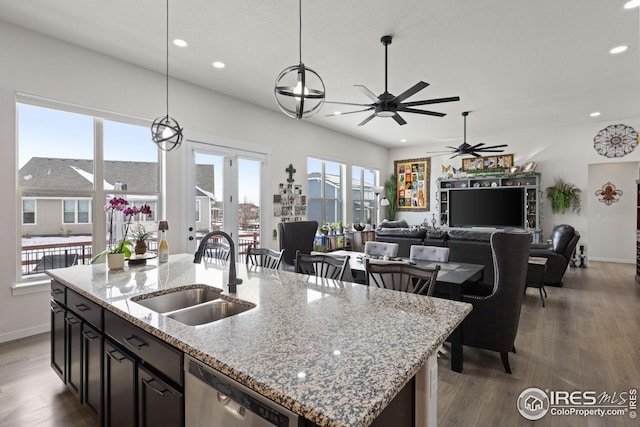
[(451, 277)]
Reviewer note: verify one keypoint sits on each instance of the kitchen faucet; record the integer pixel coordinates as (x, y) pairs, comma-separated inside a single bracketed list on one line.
[(233, 280)]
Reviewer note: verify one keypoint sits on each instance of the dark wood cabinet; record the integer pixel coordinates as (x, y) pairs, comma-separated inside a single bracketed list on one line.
[(119, 377), (92, 351), (58, 340), (159, 404), (74, 353)]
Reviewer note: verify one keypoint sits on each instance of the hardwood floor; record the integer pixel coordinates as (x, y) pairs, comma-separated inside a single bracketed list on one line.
[(587, 338)]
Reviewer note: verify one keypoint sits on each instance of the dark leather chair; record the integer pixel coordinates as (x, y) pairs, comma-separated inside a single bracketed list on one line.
[(564, 239), (293, 237), (493, 322)]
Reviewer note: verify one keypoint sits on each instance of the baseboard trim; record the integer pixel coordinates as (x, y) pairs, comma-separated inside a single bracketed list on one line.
[(618, 260), (23, 333)]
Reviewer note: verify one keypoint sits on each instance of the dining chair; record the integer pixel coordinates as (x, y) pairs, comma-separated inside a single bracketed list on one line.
[(493, 322), (322, 265), (429, 253), (381, 249), (264, 257), (401, 276), (217, 250), (295, 236)]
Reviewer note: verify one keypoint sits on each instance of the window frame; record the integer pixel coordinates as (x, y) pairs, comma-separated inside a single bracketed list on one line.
[(341, 191), (98, 195), (362, 199), (35, 210), (76, 210)]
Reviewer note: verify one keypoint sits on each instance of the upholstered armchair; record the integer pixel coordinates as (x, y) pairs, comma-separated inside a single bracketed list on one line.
[(564, 239), (295, 236), (493, 322)]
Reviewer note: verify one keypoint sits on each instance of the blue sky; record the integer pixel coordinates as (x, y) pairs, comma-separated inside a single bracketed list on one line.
[(44, 132)]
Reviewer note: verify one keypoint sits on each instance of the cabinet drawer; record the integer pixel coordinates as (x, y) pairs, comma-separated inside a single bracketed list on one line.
[(59, 292), (88, 310), (145, 346)]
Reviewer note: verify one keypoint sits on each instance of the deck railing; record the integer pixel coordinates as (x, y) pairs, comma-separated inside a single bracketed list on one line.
[(47, 256)]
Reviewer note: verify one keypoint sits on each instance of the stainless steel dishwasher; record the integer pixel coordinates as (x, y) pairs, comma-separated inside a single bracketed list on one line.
[(212, 399)]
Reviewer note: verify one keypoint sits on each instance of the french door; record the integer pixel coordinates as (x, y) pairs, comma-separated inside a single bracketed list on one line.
[(225, 192)]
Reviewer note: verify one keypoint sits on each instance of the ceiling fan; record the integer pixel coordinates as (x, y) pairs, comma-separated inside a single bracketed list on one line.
[(388, 105), (465, 148)]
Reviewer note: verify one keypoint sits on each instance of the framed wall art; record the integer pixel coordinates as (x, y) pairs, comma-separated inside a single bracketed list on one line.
[(488, 163), (413, 179)]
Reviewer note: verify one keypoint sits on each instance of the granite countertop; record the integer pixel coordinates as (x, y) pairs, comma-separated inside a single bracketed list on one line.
[(334, 352)]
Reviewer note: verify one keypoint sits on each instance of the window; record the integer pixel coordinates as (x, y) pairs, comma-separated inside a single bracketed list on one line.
[(28, 211), (364, 203), (325, 186), (74, 160), (197, 210), (76, 211)]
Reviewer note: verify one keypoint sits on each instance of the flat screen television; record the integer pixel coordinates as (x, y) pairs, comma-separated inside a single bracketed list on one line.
[(487, 207)]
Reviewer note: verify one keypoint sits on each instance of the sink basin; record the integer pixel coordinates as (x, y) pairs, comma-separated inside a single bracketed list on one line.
[(178, 299), (210, 312)]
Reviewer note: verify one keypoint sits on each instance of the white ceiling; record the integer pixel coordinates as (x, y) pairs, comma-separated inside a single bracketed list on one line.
[(515, 64)]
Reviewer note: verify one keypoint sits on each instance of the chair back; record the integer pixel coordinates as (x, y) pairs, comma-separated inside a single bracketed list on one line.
[(493, 323), (264, 257), (381, 249), (218, 250), (322, 265), (564, 239), (429, 253), (400, 276), (296, 236)]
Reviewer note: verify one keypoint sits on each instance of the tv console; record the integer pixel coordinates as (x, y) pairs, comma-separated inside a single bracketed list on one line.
[(528, 182)]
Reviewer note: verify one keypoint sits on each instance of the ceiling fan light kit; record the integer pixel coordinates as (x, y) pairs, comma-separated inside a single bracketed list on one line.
[(299, 90), (166, 133), (389, 105)]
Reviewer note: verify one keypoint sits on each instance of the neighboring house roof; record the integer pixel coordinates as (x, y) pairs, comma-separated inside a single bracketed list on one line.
[(59, 174)]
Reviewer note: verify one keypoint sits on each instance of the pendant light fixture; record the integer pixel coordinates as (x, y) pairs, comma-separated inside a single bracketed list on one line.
[(294, 88), (166, 133)]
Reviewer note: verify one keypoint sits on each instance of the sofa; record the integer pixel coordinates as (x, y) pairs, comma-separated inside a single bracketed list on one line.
[(465, 245)]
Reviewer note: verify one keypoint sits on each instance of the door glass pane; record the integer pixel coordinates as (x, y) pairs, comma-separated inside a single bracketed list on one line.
[(248, 204), (209, 187), (333, 191), (314, 189)]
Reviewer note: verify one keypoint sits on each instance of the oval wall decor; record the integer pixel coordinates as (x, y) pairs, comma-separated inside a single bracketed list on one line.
[(615, 141)]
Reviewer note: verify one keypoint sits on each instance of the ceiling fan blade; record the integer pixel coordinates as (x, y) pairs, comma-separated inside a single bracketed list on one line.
[(349, 112), (494, 146), (410, 92), (347, 103), (473, 147), (431, 101), (365, 121), (369, 94), (399, 119), (482, 150), (428, 113)]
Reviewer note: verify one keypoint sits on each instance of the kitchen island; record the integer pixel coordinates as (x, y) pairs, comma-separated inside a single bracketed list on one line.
[(335, 353)]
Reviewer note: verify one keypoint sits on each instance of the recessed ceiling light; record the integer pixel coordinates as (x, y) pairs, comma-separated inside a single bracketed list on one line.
[(618, 49), (595, 114), (218, 64), (337, 113), (631, 4), (403, 140), (180, 43)]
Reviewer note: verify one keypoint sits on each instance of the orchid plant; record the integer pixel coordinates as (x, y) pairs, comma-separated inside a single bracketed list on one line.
[(119, 204)]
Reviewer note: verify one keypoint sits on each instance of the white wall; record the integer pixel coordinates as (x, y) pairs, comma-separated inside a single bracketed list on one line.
[(564, 152), (611, 227), (51, 69)]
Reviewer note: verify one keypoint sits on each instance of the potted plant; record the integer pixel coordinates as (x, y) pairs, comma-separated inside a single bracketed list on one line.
[(115, 255), (563, 196), (140, 235), (391, 188)]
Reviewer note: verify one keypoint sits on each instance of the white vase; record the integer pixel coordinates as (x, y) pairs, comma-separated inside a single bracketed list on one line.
[(115, 261)]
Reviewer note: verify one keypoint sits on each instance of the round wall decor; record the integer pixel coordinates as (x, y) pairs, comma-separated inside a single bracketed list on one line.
[(615, 141)]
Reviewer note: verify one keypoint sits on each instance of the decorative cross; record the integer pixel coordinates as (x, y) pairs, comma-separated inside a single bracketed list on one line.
[(290, 170)]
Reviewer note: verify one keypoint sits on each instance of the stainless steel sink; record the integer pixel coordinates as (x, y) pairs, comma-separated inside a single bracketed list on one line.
[(210, 312), (178, 299)]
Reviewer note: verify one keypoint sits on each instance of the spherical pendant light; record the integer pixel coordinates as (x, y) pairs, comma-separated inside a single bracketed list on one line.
[(299, 91), (166, 133)]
